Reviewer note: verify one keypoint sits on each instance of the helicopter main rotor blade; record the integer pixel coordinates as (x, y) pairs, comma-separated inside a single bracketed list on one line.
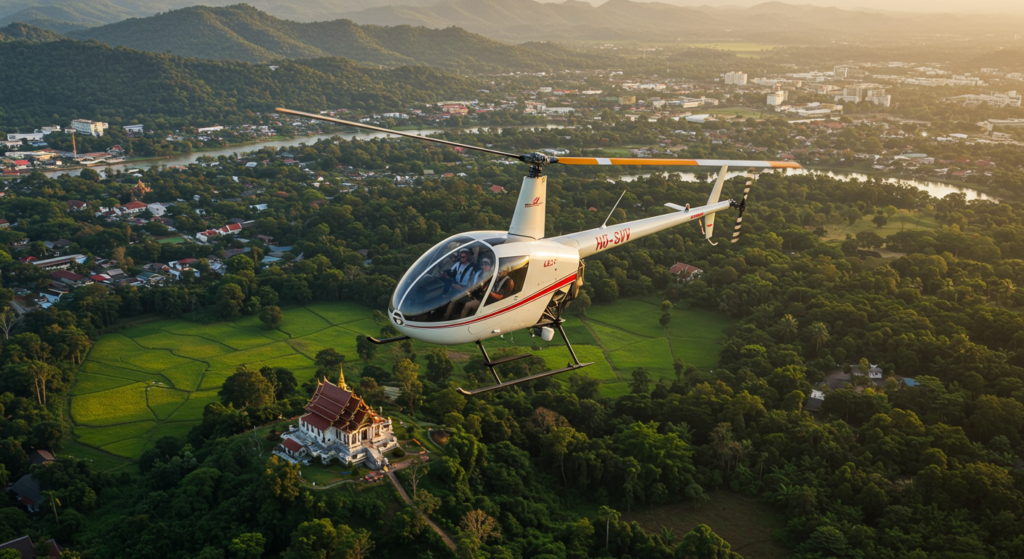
[(396, 133), (673, 162)]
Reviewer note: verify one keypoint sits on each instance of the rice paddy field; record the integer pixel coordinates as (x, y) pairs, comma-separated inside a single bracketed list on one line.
[(155, 379)]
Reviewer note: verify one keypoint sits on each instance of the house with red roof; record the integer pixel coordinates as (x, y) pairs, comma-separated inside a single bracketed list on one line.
[(70, 278), (230, 229), (293, 448), (133, 207), (340, 425), (685, 272), (205, 236)]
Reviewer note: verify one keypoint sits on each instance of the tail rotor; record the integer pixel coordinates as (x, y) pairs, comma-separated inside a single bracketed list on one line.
[(742, 205)]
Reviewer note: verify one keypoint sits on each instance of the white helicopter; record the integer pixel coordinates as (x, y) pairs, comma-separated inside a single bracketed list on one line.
[(480, 284)]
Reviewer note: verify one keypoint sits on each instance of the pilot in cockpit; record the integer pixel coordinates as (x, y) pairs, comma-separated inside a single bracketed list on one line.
[(461, 273), (477, 286)]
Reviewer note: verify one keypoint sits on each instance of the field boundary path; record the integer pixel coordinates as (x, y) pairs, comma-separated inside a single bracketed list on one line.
[(330, 485), (408, 501)]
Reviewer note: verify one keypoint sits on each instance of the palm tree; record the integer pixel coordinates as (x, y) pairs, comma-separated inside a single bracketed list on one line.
[(609, 515), (40, 373), (51, 497), (819, 334), (788, 327)]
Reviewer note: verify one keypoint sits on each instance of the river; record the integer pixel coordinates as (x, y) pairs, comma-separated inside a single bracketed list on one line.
[(935, 189), (184, 160)]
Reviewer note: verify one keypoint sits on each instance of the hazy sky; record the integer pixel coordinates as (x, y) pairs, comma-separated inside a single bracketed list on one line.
[(927, 6)]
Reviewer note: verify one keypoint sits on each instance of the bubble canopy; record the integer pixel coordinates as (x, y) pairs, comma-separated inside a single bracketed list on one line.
[(449, 281)]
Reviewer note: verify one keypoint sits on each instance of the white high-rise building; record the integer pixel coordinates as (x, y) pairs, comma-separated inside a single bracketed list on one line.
[(735, 78), (777, 97), (89, 127), (865, 92)]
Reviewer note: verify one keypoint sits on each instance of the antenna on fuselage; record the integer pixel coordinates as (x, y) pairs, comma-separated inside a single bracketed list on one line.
[(605, 224)]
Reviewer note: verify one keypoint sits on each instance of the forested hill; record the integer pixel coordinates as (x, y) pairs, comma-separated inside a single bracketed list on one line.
[(61, 16), (118, 84), (242, 32), (26, 32)]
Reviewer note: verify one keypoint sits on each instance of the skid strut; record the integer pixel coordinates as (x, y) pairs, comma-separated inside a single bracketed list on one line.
[(491, 364)]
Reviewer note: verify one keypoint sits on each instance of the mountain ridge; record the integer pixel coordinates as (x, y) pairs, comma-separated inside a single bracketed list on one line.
[(242, 32), (522, 20)]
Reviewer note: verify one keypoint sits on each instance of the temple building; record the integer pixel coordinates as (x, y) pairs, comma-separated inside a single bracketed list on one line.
[(340, 425)]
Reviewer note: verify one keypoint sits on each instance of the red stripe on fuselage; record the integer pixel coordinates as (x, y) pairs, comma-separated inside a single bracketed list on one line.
[(561, 283)]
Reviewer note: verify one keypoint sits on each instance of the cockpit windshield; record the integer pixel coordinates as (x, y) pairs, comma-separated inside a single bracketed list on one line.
[(431, 257), (450, 285)]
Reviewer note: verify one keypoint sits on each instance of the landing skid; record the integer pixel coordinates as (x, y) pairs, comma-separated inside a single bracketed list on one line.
[(386, 340), (491, 364)]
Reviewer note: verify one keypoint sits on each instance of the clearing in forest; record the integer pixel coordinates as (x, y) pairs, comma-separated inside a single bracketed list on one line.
[(902, 220), (630, 333), (742, 521)]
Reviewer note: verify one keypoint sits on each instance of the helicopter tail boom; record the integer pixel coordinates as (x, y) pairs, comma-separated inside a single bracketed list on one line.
[(597, 240)]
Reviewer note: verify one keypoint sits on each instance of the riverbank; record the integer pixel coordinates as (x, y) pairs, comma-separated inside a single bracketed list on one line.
[(935, 189), (989, 193)]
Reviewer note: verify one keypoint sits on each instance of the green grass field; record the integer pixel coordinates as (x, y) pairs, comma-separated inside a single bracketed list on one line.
[(630, 333), (155, 379), (903, 221)]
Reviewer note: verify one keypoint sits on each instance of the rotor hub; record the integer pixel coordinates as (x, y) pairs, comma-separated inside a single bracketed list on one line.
[(537, 161)]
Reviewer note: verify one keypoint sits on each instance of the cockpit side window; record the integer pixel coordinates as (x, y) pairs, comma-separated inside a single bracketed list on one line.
[(510, 279)]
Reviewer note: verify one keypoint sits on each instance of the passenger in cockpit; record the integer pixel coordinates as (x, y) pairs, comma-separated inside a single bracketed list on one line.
[(502, 287), (481, 279)]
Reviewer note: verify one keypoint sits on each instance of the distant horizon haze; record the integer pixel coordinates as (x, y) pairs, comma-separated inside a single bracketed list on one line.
[(918, 6)]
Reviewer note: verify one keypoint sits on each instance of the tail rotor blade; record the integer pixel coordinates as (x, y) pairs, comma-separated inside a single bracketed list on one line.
[(739, 218)]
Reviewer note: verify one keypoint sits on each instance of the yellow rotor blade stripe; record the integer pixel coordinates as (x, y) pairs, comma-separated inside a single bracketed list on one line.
[(676, 162)]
